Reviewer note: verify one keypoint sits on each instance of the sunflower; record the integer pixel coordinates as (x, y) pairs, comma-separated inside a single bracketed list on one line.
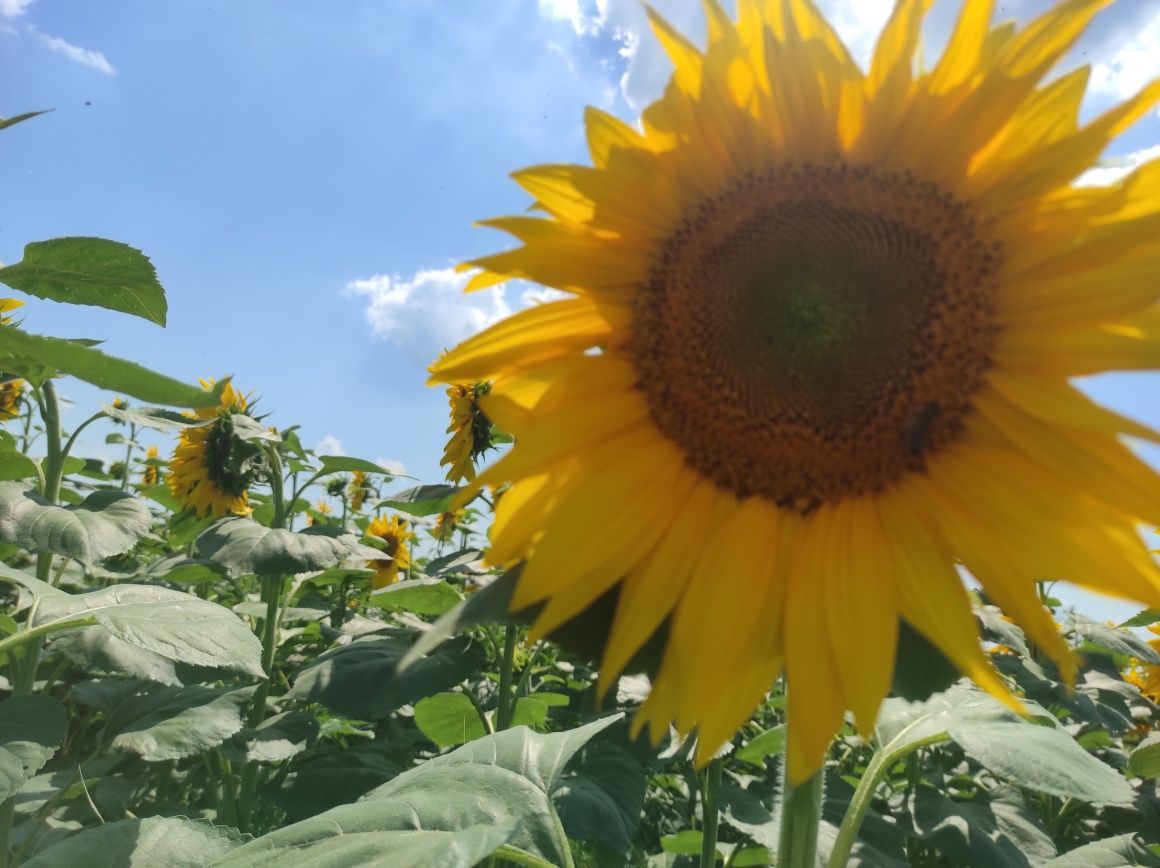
[(358, 490), (323, 509), (7, 305), (446, 523), (470, 430), (11, 399), (394, 533), (151, 473), (816, 354), (1146, 676), (208, 471)]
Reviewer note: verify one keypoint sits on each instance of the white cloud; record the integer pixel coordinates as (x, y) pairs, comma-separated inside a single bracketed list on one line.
[(1113, 169), (428, 312), (329, 445), (584, 18), (13, 8), (858, 22), (83, 56), (540, 295), (1132, 64), (392, 465)]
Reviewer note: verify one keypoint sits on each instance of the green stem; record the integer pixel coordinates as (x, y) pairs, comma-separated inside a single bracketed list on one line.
[(507, 704), (76, 433), (709, 814), (562, 837), (801, 812), (876, 772), (521, 857), (128, 457)]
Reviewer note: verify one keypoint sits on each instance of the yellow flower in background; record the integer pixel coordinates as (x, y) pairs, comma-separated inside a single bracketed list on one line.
[(446, 523), (470, 431), (1146, 676), (321, 507), (358, 490), (150, 474), (394, 532), (7, 305), (11, 397), (204, 474), (817, 352)]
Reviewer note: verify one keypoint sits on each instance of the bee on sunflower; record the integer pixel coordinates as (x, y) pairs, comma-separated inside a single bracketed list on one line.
[(828, 317), (470, 430), (395, 533), (210, 470)]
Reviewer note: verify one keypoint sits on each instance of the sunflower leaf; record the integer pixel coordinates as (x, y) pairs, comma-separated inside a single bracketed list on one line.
[(1114, 640), (1144, 761), (244, 547), (175, 842), (1143, 619), (37, 357), (90, 271), (448, 719), (15, 119), (346, 464), (32, 728), (157, 418), (105, 523), (421, 500), (173, 624), (1122, 851), (421, 596)]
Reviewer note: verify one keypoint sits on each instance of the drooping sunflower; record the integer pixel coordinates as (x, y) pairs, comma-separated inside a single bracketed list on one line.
[(11, 399), (1146, 676), (206, 470), (817, 354), (395, 533), (446, 523), (359, 490), (470, 430), (150, 474), (323, 509)]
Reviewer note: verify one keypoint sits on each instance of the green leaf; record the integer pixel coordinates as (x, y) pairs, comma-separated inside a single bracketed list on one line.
[(173, 842), (172, 624), (448, 719), (766, 744), (1143, 619), (32, 728), (1114, 640), (421, 596), (96, 650), (686, 843), (250, 430), (91, 271), (533, 710), (1144, 761), (1122, 851), (105, 523), (276, 739), (15, 119), (156, 418), (164, 723), (351, 836), (499, 778), (452, 562), (362, 680), (331, 775), (422, 500), (243, 547), (601, 796), (14, 464), (346, 464), (19, 349)]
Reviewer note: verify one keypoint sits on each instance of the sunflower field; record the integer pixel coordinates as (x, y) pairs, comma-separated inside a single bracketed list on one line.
[(748, 546)]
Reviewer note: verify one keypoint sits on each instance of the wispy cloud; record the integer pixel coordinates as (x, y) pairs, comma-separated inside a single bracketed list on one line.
[(1132, 62), (85, 57), (427, 312), (14, 8), (329, 445), (1115, 168)]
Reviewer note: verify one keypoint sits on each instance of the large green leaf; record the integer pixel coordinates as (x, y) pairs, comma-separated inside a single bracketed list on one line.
[(448, 719), (495, 782), (97, 651), (421, 596), (1114, 640), (1144, 761), (601, 796), (346, 464), (362, 679), (92, 271), (1122, 851), (157, 418), (162, 723), (352, 837), (23, 352), (1041, 757), (173, 624), (32, 728), (15, 119), (243, 546), (276, 739), (422, 500), (105, 523), (155, 842), (14, 464)]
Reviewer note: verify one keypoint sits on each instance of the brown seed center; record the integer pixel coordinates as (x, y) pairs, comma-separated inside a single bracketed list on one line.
[(815, 332)]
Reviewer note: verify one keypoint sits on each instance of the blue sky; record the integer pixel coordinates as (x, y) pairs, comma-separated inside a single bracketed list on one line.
[(305, 175)]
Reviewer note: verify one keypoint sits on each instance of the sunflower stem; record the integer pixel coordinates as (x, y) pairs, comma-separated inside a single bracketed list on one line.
[(506, 707), (801, 812), (709, 814)]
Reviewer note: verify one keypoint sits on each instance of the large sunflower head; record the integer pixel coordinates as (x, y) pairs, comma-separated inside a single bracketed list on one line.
[(470, 430), (395, 534), (823, 321), (209, 470)]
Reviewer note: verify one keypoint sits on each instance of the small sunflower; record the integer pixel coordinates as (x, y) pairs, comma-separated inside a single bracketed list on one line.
[(470, 430), (151, 474), (323, 509), (207, 472), (817, 353), (11, 399), (1146, 676), (446, 523), (394, 532), (358, 490), (7, 305)]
